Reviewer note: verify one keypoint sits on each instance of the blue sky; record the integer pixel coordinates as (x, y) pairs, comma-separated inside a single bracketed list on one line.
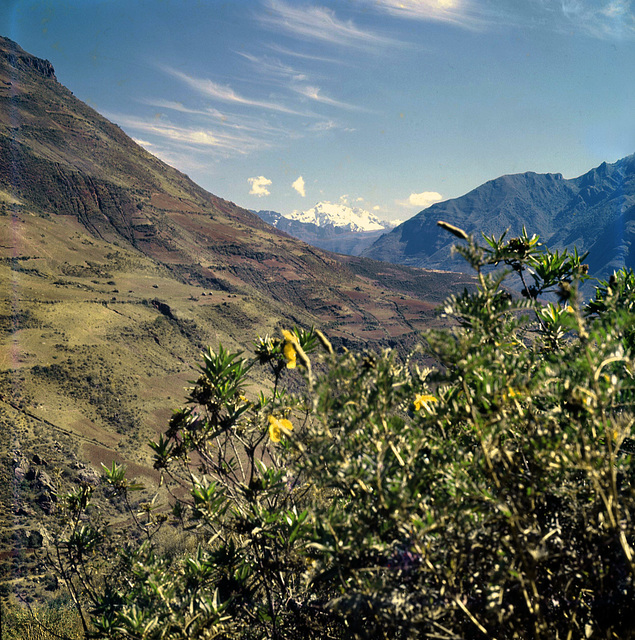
[(386, 104)]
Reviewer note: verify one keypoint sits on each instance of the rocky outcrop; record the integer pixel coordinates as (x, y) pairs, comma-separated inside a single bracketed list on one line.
[(43, 67), (17, 57), (40, 482)]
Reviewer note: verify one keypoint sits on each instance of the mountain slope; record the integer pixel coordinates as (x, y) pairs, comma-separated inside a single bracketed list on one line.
[(116, 270), (595, 212), (63, 159)]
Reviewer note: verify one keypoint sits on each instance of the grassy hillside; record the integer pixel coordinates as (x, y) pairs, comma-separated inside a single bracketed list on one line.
[(116, 270)]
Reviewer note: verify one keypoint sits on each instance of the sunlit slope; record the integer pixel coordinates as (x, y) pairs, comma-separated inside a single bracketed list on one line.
[(117, 270)]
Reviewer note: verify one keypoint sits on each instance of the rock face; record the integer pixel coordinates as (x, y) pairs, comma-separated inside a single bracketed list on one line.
[(16, 57), (40, 482), (46, 492), (595, 212)]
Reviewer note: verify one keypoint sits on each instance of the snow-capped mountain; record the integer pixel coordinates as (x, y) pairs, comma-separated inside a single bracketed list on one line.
[(339, 215), (335, 227)]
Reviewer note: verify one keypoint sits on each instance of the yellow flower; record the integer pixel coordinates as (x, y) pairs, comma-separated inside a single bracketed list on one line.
[(274, 429), (422, 401), (290, 350), (277, 427), (289, 354)]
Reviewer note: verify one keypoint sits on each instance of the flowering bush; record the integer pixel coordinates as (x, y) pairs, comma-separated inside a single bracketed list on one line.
[(488, 496)]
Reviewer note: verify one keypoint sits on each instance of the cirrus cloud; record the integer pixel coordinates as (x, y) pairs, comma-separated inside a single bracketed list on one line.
[(464, 13), (601, 19), (319, 23), (314, 93), (224, 93)]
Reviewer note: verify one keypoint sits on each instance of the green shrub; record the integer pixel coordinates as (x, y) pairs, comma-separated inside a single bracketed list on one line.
[(490, 496), (41, 623)]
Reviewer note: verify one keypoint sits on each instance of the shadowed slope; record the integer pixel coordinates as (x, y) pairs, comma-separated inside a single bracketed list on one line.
[(594, 212)]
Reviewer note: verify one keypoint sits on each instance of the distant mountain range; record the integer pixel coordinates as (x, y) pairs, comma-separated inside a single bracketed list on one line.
[(595, 212), (340, 215), (335, 227)]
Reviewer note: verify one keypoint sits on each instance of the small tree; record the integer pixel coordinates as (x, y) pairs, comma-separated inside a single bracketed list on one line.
[(489, 496)]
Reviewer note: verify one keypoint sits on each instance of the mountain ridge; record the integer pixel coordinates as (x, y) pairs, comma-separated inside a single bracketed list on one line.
[(594, 211)]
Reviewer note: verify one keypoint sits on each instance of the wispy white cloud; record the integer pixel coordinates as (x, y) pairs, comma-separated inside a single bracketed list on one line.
[(224, 93), (298, 185), (259, 186), (597, 18), (197, 137), (460, 12), (464, 13), (294, 80), (315, 93), (319, 23), (183, 158), (243, 123), (303, 55), (618, 9), (273, 67), (175, 106), (143, 143), (600, 18), (329, 125)]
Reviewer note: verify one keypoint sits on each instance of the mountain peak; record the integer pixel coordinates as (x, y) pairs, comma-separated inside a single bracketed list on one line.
[(594, 212), (16, 57), (339, 215)]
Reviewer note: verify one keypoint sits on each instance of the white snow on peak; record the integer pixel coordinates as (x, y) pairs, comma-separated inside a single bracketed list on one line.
[(339, 215)]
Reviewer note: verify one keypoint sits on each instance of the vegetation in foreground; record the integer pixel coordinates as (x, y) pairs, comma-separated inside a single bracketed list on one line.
[(488, 497)]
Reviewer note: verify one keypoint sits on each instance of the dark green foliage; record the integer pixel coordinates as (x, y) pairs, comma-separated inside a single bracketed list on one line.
[(490, 496), (20, 319), (616, 299)]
